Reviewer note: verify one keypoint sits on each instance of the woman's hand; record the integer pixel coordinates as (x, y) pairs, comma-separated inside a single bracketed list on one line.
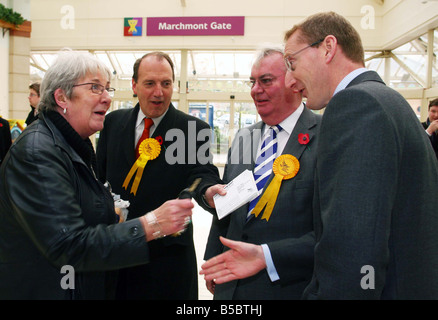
[(171, 217)]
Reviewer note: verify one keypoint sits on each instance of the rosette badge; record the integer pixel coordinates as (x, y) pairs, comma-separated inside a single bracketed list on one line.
[(285, 167), (149, 149)]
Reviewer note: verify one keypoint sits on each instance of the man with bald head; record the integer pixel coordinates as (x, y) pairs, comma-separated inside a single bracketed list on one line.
[(172, 271)]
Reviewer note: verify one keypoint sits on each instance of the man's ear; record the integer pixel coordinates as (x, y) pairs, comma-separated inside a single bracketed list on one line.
[(60, 97), (134, 86), (330, 45)]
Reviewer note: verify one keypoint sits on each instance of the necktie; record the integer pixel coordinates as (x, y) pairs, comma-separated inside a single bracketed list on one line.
[(264, 162), (147, 124)]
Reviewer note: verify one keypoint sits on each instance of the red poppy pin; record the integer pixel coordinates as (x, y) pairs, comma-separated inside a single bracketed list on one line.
[(303, 138), (1, 125), (159, 139)]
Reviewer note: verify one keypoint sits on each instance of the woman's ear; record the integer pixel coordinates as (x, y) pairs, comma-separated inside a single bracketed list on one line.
[(60, 97)]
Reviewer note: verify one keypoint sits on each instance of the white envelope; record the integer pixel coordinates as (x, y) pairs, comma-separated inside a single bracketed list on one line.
[(239, 192)]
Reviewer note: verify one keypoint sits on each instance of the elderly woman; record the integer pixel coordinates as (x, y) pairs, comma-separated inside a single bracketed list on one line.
[(53, 211)]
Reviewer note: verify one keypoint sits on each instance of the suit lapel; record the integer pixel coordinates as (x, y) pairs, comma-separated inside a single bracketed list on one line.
[(249, 149), (128, 131), (127, 134), (165, 123), (305, 124), (256, 135)]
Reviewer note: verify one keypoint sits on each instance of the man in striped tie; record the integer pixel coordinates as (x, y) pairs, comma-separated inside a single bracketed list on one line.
[(281, 246)]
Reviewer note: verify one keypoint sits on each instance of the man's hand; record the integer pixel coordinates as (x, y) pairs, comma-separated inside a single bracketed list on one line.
[(241, 261), (433, 127), (210, 192)]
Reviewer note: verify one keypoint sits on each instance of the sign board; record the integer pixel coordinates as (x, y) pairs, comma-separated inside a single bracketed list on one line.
[(195, 26)]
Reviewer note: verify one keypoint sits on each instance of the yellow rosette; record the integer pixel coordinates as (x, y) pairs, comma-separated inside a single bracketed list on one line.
[(149, 149), (285, 167)]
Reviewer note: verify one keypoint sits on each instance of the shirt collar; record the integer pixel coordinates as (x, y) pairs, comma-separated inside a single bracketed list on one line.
[(141, 116), (289, 123), (346, 81)]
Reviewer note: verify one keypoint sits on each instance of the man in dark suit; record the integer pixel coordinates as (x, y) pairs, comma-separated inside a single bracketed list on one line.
[(184, 157), (5, 138), (282, 245), (376, 216), (431, 125)]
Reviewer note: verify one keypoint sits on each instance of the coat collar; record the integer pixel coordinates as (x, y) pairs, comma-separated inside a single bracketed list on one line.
[(59, 139), (306, 124), (366, 76)]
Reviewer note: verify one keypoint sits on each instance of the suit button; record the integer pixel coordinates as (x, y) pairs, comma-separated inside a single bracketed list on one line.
[(244, 237), (134, 231)]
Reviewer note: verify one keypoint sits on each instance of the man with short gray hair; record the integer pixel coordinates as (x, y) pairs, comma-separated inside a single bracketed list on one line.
[(279, 233)]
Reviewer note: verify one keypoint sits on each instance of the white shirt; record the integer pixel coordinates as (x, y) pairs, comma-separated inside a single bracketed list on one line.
[(139, 125), (288, 126)]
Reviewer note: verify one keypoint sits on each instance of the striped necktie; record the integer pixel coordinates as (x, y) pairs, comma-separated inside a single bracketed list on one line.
[(148, 122), (264, 162)]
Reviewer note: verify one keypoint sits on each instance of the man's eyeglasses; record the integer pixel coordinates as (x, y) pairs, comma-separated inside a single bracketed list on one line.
[(263, 82), (97, 88), (288, 59)]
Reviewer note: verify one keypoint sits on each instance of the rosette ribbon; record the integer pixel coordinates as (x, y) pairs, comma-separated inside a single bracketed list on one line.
[(149, 149), (285, 167)]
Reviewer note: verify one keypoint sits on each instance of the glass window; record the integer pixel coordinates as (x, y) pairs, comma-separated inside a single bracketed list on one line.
[(219, 71), (222, 135)]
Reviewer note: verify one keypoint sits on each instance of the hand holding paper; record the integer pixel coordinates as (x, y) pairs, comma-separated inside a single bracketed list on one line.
[(240, 191)]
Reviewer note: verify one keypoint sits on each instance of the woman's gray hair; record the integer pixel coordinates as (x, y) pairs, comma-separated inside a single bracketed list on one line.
[(65, 72)]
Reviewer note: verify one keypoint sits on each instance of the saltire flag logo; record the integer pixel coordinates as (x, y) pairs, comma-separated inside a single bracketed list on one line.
[(133, 27)]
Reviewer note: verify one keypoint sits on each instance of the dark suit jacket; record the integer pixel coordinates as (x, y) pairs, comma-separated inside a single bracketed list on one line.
[(376, 216), (5, 138), (289, 231), (172, 273)]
